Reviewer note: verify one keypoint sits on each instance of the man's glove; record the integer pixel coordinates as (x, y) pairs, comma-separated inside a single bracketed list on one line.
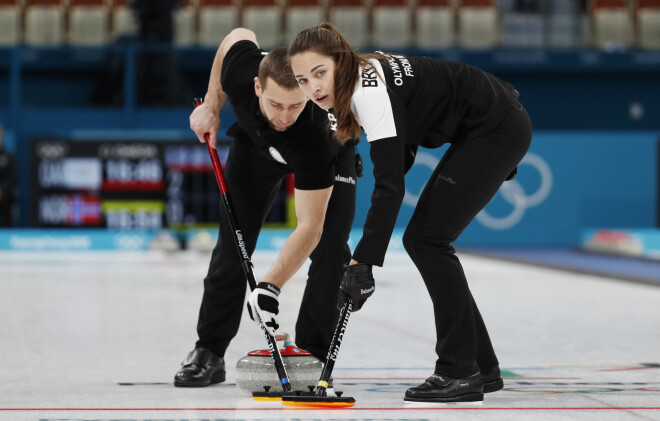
[(263, 303), (357, 283)]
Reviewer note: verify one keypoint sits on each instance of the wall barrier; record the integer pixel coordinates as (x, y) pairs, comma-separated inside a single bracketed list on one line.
[(567, 182)]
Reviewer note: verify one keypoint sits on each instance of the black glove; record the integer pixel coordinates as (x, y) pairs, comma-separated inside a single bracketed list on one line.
[(357, 283), (263, 303)]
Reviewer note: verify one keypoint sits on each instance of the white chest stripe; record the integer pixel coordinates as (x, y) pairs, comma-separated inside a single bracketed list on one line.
[(371, 104), (277, 156)]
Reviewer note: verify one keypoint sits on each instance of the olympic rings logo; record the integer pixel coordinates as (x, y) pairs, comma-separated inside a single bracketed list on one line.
[(129, 242), (52, 150), (512, 192)]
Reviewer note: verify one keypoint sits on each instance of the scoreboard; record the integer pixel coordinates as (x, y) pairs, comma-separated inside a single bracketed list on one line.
[(129, 184)]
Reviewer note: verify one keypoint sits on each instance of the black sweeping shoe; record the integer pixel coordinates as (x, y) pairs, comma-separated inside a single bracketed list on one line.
[(492, 380), (439, 388), (201, 368)]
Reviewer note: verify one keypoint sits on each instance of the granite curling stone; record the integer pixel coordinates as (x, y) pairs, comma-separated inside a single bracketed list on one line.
[(256, 371)]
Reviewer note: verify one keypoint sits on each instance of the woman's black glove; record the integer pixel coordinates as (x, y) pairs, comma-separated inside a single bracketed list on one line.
[(358, 284)]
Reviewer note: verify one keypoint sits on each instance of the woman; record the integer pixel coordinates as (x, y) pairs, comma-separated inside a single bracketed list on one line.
[(404, 102)]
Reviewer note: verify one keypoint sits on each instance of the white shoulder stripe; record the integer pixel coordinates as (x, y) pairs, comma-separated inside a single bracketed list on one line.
[(371, 103)]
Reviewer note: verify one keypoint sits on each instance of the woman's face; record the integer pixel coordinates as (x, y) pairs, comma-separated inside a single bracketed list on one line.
[(315, 74)]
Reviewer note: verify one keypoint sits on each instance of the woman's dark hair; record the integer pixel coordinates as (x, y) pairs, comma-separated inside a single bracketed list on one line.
[(324, 39)]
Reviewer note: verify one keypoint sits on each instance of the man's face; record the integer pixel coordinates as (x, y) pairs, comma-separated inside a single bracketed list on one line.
[(279, 105)]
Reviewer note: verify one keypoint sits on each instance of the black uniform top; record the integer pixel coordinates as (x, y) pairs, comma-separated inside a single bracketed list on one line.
[(306, 148), (425, 102)]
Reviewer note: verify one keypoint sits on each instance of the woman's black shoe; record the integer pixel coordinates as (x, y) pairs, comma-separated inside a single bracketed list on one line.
[(492, 380), (438, 388), (201, 368)]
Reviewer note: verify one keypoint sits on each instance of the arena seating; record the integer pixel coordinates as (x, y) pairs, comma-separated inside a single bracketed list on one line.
[(434, 24), (647, 14), (44, 22), (392, 22), (216, 19), (301, 14), (524, 25), (89, 22), (10, 22), (351, 17), (185, 24), (478, 26), (382, 24), (611, 24), (564, 24), (264, 18), (123, 20)]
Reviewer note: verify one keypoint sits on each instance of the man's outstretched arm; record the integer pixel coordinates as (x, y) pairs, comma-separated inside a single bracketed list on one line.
[(311, 206), (206, 118)]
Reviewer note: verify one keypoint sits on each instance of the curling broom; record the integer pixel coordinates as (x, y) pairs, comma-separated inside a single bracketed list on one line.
[(247, 268), (321, 398)]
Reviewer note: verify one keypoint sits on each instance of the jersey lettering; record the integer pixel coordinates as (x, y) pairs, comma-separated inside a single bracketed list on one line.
[(400, 66), (371, 104), (369, 78)]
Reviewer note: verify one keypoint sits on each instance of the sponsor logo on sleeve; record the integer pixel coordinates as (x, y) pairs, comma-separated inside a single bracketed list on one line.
[(342, 179)]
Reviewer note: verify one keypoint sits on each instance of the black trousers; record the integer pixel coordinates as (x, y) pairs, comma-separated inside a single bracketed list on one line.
[(465, 180), (253, 182)]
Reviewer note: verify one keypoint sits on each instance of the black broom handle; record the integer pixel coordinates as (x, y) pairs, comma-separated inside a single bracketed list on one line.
[(337, 337)]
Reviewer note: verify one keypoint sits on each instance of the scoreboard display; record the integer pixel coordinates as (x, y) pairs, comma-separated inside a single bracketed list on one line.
[(129, 184)]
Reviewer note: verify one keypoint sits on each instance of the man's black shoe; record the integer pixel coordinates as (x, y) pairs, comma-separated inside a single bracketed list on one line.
[(201, 368), (492, 380), (438, 388)]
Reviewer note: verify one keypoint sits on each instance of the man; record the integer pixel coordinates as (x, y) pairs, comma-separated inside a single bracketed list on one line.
[(277, 133)]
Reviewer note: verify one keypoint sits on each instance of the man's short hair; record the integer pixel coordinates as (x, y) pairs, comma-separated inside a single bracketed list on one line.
[(275, 65)]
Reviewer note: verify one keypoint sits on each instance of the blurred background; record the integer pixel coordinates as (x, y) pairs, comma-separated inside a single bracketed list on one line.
[(95, 97)]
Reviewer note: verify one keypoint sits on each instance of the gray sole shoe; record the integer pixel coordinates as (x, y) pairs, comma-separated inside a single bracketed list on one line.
[(201, 368), (472, 397), (494, 386), (216, 378)]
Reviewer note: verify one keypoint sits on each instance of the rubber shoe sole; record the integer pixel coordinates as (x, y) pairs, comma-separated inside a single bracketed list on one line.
[(217, 378), (493, 386), (467, 398)]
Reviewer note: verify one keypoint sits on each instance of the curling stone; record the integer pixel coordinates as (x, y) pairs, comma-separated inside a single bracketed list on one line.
[(256, 371), (202, 241), (164, 241)]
